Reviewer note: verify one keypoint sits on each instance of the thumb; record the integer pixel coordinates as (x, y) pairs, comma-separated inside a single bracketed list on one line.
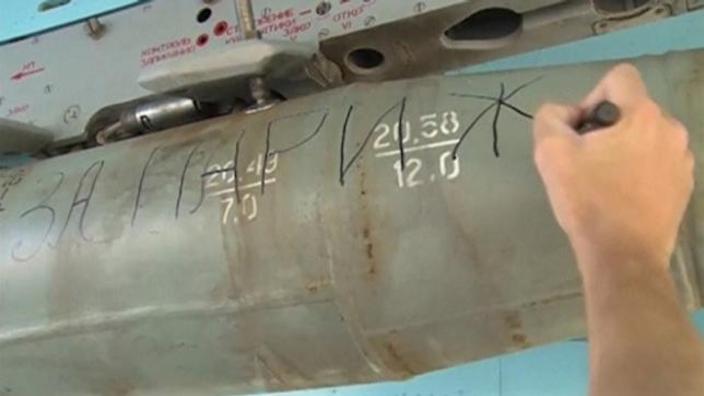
[(622, 85), (556, 121)]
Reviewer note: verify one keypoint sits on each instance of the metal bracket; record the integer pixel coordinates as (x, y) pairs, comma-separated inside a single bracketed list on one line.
[(220, 75), (455, 36), (645, 15), (16, 137)]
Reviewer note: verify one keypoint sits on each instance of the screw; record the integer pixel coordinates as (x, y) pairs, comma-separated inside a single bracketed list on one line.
[(72, 113), (48, 88), (323, 8), (419, 7), (370, 20), (323, 33), (259, 91), (95, 28)]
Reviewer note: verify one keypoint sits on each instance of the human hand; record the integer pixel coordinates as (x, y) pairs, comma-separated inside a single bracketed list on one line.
[(622, 190)]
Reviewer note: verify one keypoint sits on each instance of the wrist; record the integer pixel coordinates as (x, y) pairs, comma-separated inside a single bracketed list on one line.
[(597, 260)]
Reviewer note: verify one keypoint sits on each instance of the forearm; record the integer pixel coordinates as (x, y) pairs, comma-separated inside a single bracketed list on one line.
[(641, 339), (620, 194)]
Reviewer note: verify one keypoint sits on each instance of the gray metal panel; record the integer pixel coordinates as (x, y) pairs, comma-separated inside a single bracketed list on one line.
[(58, 80), (118, 276)]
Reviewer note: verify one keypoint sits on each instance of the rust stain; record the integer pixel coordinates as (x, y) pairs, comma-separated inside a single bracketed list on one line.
[(366, 230), (370, 255), (393, 352), (316, 285), (369, 249), (552, 299), (312, 288), (514, 323), (520, 340), (513, 320)]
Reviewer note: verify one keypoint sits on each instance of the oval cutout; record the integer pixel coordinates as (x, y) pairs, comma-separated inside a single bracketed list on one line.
[(486, 25), (47, 5)]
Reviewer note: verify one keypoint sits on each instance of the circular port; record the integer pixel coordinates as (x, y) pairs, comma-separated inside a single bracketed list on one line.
[(220, 28), (365, 60), (202, 40), (204, 15)]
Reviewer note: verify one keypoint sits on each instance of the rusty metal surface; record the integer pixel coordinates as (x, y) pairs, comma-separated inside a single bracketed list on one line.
[(184, 263)]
